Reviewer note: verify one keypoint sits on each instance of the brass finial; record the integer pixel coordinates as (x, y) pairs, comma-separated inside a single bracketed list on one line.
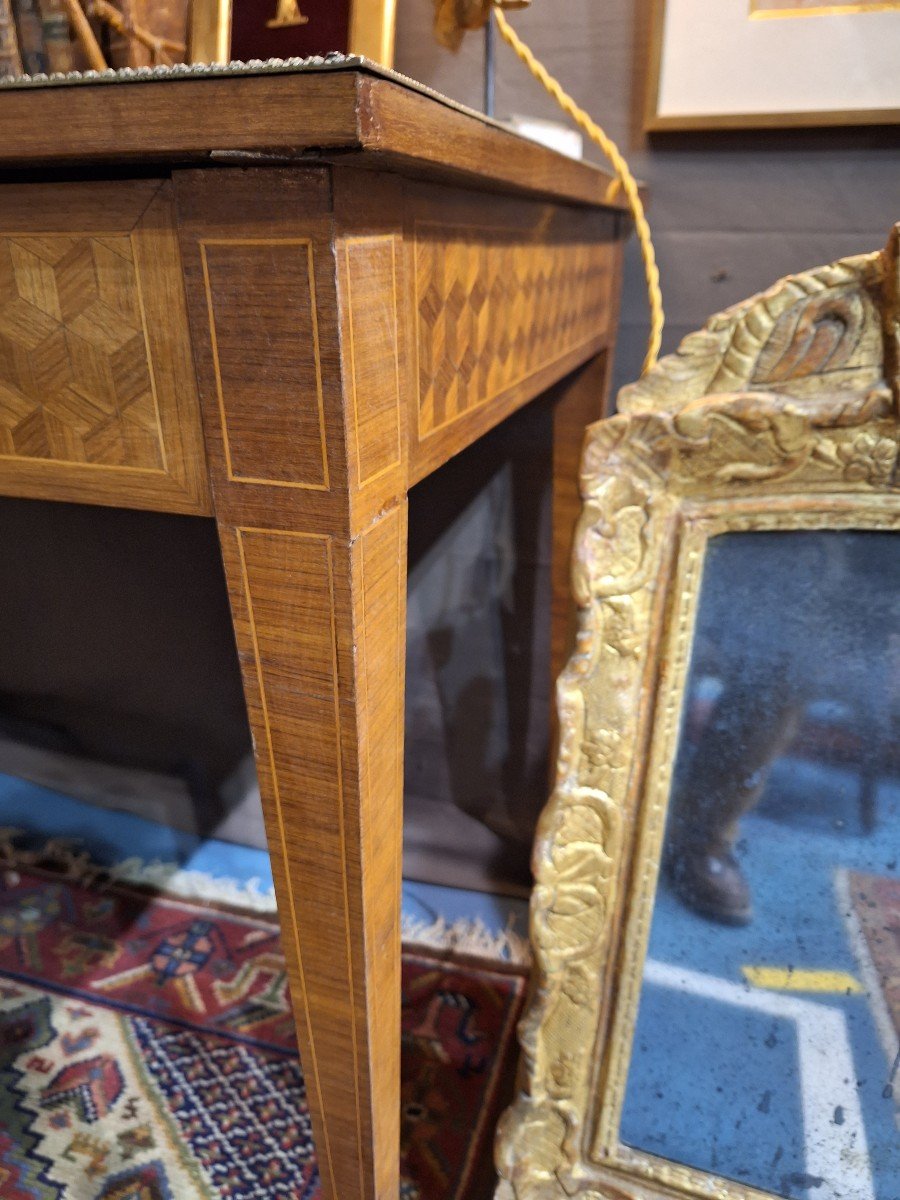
[(453, 18)]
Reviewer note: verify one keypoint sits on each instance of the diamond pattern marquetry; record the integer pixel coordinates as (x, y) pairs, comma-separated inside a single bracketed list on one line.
[(75, 379), (492, 310)]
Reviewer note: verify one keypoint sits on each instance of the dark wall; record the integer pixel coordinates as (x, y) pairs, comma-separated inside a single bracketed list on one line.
[(730, 213), (118, 639)]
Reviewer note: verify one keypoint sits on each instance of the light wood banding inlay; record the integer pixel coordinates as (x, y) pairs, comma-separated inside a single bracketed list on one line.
[(320, 626), (371, 282), (266, 360), (290, 647)]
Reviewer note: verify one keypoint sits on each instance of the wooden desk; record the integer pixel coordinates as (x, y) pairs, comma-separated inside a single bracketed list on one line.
[(280, 299)]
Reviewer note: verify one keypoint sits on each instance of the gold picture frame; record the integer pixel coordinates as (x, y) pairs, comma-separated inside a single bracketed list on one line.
[(372, 26), (768, 64), (743, 429)]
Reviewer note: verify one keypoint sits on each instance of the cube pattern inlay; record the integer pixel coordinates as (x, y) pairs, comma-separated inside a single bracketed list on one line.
[(491, 310), (76, 383)]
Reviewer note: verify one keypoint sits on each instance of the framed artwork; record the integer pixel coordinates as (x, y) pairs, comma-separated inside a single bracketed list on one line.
[(716, 985), (767, 63), (222, 30)]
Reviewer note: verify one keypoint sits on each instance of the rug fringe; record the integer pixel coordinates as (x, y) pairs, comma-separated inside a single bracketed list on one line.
[(469, 936), (196, 885), (76, 865), (465, 936)]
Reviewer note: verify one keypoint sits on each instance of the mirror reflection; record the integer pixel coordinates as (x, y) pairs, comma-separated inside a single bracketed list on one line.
[(766, 1043)]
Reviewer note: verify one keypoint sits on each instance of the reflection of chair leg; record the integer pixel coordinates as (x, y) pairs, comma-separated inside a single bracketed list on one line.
[(753, 723), (876, 749), (873, 768), (867, 814)]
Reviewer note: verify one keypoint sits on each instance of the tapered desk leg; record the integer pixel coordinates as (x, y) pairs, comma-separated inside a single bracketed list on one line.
[(320, 630), (578, 401), (295, 331)]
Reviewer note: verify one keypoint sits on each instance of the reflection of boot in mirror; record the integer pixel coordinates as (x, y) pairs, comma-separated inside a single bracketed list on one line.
[(751, 726), (712, 884)]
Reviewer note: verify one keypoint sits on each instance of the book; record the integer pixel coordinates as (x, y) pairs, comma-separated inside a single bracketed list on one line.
[(10, 61), (121, 50), (10, 58), (31, 40), (165, 19), (61, 51)]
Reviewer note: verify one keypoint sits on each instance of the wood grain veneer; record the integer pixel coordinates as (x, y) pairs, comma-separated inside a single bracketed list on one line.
[(499, 308), (315, 555), (97, 394), (264, 333), (286, 117)]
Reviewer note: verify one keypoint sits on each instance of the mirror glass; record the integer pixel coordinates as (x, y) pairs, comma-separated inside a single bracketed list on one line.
[(766, 1044)]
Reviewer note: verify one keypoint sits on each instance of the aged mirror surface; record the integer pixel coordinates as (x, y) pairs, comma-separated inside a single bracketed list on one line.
[(766, 1041)]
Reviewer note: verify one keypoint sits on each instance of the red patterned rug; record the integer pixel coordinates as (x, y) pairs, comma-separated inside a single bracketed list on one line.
[(147, 1053)]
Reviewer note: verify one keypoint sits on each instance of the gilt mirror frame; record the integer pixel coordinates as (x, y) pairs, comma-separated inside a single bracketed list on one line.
[(781, 414)]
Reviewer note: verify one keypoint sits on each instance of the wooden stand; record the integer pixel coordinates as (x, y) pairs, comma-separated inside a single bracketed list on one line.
[(331, 284)]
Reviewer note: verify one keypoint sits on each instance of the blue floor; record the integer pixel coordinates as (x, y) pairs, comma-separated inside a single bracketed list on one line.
[(717, 1078), (715, 1084), (110, 837)]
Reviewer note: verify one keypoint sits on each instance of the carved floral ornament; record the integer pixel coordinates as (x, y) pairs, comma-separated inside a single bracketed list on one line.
[(782, 412)]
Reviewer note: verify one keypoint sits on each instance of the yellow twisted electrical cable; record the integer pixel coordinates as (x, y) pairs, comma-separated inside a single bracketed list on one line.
[(620, 166)]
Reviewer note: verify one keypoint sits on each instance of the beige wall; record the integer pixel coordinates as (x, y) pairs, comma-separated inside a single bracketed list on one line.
[(731, 213)]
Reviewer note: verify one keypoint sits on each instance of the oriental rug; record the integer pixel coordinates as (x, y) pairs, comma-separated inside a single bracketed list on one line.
[(147, 1053)]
